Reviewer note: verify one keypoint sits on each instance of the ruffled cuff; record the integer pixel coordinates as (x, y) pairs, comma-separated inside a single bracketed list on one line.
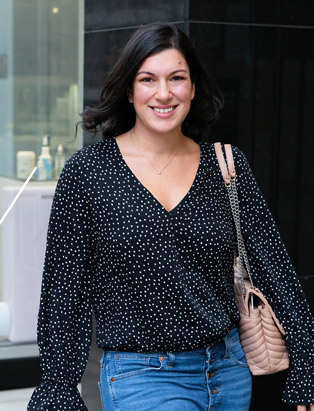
[(299, 387), (56, 396)]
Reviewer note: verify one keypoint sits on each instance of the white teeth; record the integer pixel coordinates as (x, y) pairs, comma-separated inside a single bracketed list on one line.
[(163, 110)]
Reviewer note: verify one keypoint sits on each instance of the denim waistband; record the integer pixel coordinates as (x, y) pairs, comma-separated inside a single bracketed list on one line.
[(230, 338)]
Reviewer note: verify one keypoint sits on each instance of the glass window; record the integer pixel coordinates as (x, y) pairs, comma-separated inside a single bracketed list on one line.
[(41, 67)]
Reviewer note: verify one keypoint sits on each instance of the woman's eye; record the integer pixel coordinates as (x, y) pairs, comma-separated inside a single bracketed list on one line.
[(177, 78), (146, 79)]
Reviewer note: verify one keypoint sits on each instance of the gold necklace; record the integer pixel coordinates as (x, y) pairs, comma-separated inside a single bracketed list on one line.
[(158, 171)]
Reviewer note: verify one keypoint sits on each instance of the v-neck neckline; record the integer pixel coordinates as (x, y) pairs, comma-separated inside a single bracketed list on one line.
[(184, 198)]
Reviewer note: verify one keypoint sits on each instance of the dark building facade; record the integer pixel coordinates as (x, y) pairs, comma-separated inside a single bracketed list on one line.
[(262, 56)]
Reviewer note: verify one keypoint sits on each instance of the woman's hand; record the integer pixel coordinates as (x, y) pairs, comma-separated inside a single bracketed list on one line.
[(305, 408)]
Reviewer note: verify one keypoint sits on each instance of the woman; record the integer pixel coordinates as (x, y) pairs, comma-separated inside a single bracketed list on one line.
[(141, 232)]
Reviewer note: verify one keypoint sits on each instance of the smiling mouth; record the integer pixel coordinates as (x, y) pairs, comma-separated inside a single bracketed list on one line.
[(164, 110)]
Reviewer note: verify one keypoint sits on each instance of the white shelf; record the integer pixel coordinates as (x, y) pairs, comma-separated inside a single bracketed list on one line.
[(10, 351)]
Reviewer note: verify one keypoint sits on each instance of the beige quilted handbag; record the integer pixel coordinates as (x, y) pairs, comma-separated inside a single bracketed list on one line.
[(262, 336)]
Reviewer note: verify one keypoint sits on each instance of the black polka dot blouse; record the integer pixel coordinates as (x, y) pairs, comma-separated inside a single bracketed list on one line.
[(157, 281)]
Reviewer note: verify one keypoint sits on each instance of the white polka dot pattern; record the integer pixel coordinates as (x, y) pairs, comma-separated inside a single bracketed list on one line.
[(157, 281)]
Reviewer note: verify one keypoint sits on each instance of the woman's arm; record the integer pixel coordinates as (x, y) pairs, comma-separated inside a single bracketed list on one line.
[(274, 275), (64, 326)]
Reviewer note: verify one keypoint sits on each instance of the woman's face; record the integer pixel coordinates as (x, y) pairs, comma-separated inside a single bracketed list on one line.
[(162, 92)]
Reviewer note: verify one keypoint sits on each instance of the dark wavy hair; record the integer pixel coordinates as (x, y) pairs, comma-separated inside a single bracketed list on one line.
[(114, 114)]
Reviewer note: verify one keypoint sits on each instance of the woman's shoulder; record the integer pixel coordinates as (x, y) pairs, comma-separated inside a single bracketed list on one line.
[(210, 147), (88, 152), (86, 160), (240, 160)]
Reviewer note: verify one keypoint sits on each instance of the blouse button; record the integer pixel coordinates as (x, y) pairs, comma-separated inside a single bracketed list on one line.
[(211, 374), (213, 390), (112, 379), (211, 360), (162, 358)]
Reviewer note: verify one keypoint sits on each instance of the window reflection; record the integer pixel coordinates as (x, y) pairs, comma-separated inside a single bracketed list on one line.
[(40, 77), (41, 51)]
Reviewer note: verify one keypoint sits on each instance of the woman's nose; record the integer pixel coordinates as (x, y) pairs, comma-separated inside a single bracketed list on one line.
[(163, 91)]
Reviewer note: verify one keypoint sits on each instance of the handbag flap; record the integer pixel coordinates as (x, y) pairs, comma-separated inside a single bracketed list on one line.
[(258, 293)]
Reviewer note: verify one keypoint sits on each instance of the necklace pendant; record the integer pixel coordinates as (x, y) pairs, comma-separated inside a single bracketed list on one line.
[(159, 172)]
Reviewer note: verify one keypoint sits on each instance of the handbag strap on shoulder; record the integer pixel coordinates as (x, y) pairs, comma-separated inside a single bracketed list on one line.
[(228, 173)]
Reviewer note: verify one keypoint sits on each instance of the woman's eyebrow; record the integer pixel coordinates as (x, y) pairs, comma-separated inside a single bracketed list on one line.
[(152, 74)]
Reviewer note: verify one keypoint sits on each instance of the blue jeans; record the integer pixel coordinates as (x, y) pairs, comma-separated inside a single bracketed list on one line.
[(216, 378)]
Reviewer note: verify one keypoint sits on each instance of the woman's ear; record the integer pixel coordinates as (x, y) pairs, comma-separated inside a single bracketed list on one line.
[(193, 91), (130, 94)]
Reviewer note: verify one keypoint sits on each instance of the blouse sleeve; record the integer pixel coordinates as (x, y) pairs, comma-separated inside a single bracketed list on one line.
[(273, 273), (64, 324)]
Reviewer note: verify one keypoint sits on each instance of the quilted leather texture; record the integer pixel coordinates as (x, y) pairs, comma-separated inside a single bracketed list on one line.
[(262, 336)]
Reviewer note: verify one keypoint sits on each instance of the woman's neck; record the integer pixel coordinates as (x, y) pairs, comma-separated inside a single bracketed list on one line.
[(159, 143)]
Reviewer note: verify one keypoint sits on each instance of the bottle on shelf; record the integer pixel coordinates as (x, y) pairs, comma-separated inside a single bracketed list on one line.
[(25, 163), (59, 160), (44, 164)]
